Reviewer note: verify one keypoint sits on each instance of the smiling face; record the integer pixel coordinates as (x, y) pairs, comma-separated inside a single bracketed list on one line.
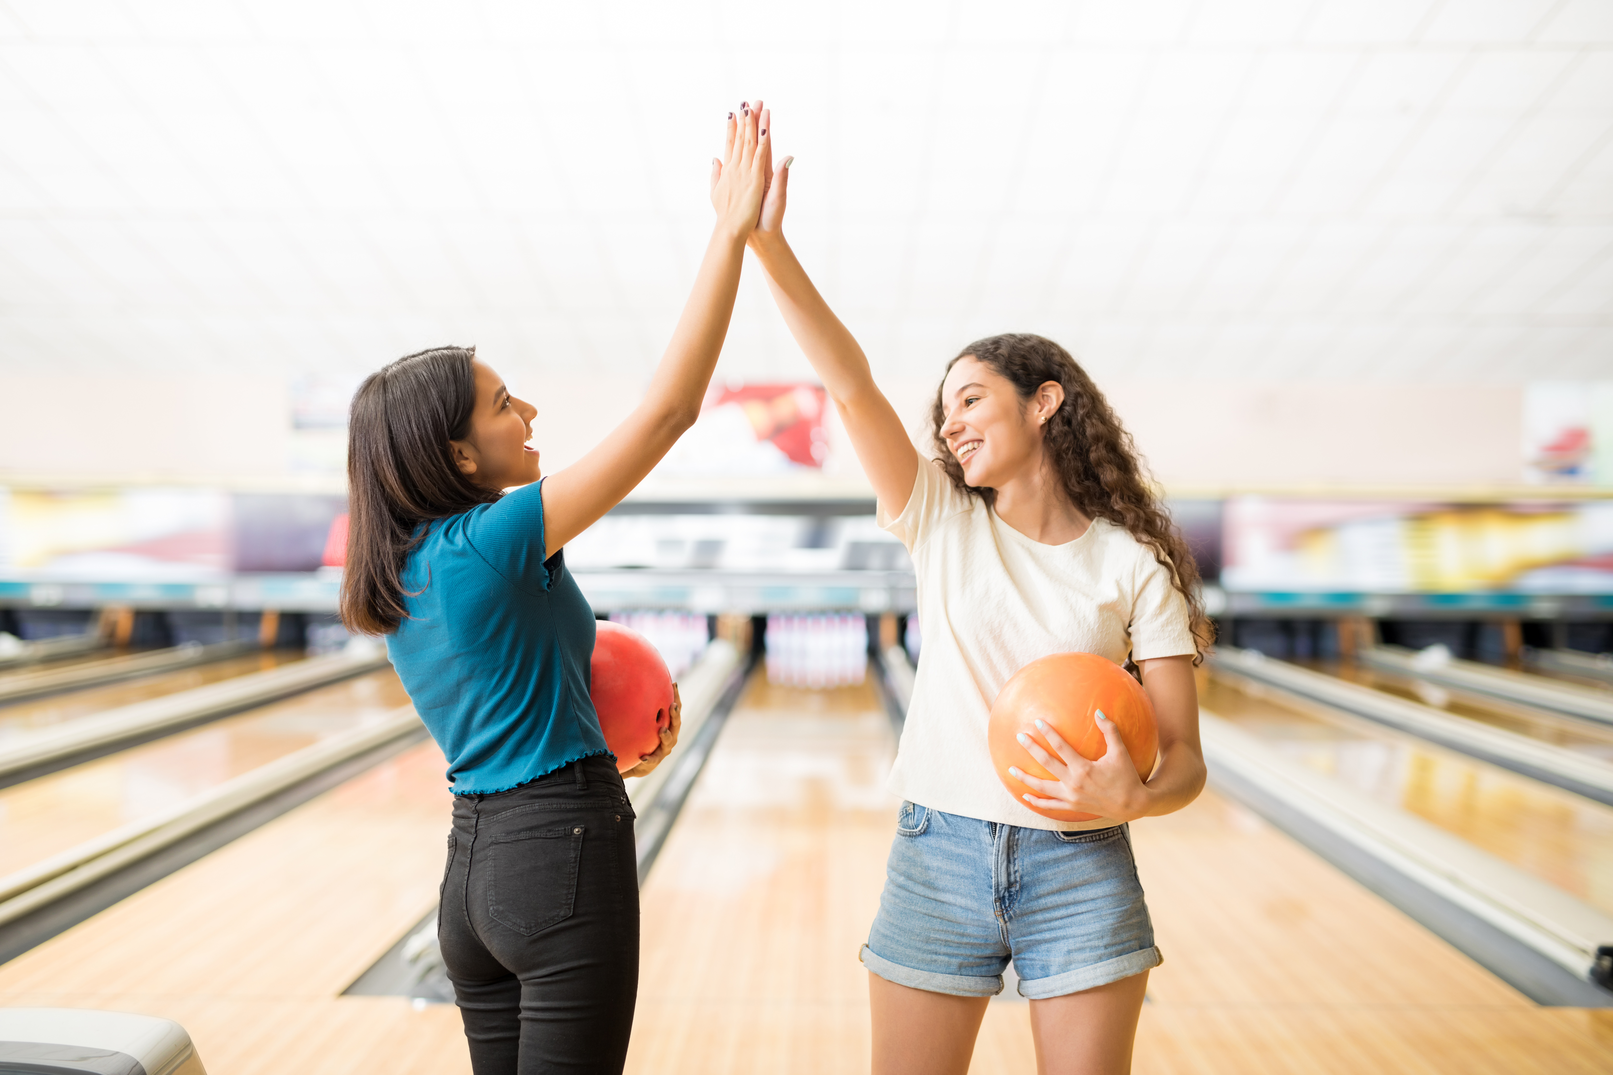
[(994, 434), (494, 452)]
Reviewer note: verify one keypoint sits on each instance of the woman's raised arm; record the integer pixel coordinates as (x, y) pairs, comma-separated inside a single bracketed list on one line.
[(574, 498), (882, 443)]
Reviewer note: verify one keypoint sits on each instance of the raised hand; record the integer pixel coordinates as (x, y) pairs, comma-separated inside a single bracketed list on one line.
[(771, 223), (739, 177), (1108, 787)]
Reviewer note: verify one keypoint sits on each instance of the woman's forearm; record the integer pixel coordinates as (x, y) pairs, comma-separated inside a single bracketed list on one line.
[(679, 385), (1177, 782), (826, 342)]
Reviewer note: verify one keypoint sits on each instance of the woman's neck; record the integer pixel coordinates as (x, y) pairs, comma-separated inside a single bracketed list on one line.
[(1035, 504)]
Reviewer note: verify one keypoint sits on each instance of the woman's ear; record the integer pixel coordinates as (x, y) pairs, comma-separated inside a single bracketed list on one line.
[(1049, 398), (464, 457)]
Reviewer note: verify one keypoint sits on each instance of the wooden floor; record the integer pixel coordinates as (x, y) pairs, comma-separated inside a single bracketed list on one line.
[(19, 719), (1583, 736), (752, 920), (1562, 838), (52, 813), (250, 947)]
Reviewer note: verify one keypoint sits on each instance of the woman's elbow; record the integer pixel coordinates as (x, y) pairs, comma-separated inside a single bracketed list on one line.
[(674, 418)]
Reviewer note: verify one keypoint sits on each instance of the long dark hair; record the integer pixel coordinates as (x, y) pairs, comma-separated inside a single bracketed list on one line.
[(401, 473), (1093, 455)]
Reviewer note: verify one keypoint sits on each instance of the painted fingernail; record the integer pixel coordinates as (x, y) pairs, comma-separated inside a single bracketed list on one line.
[(730, 115), (764, 130), (1026, 796), (1013, 770), (1023, 738), (788, 161), (1042, 726)]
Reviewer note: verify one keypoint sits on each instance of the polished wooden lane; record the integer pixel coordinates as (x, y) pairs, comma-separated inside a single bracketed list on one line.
[(24, 718), (50, 814), (1275, 962), (752, 920), (1582, 736), (1558, 836), (250, 947), (761, 898)]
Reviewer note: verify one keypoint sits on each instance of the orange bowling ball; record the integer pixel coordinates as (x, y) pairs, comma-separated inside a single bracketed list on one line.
[(632, 692), (1063, 691)]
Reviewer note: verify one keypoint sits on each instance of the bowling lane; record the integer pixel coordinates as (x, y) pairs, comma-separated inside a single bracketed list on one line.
[(251, 946), (1560, 837), (42, 817), (1275, 962), (756, 907), (24, 718), (1582, 736)]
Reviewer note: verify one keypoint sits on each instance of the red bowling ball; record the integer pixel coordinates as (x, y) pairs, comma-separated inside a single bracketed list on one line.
[(632, 693)]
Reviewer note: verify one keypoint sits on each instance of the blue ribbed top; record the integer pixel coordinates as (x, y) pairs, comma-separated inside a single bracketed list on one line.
[(495, 652)]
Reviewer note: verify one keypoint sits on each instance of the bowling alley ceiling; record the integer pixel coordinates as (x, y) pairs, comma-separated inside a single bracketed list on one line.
[(1389, 189)]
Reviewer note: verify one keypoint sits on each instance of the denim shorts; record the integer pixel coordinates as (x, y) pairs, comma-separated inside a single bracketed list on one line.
[(962, 897)]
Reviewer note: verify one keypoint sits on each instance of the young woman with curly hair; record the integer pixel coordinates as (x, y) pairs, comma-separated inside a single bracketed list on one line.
[(1032, 532)]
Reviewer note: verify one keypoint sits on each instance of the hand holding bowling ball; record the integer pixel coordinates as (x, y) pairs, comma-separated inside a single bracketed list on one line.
[(638, 705), (1074, 730), (669, 739)]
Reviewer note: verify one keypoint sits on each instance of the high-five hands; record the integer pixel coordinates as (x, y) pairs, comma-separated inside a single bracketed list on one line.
[(740, 177), (1108, 787), (771, 223)]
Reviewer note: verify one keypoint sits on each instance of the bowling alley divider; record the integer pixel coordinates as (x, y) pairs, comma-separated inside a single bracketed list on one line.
[(1437, 664), (1547, 944), (657, 798), (1571, 662), (40, 886), (1566, 769), (20, 685), (50, 649), (90, 737)]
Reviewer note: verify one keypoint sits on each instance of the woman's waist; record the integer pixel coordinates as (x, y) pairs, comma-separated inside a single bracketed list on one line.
[(582, 782)]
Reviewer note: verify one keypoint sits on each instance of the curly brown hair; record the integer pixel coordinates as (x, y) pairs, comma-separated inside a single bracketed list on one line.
[(1093, 454)]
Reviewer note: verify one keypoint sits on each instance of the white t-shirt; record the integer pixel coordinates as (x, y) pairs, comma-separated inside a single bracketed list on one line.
[(991, 601)]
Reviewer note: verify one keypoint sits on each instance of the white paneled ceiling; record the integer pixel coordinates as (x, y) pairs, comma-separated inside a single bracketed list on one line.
[(1390, 189)]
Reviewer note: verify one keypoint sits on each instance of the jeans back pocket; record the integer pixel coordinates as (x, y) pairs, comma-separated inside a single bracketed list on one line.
[(532, 880)]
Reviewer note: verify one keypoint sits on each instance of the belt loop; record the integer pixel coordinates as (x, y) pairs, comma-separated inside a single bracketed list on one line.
[(576, 770)]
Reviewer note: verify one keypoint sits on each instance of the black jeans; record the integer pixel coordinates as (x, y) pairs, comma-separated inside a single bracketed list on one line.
[(539, 922)]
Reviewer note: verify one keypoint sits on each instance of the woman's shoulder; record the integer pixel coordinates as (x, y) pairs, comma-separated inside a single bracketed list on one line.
[(1120, 545)]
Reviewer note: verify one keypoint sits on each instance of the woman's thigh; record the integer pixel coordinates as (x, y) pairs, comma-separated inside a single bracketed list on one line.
[(1091, 1032), (917, 1032)]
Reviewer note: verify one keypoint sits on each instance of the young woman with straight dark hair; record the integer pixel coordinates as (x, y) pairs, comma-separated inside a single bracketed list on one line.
[(1033, 532), (456, 555)]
